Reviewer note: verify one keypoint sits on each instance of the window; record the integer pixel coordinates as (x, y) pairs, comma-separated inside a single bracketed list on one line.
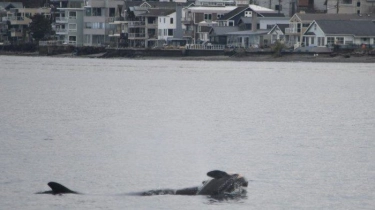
[(170, 32), (88, 25), (73, 27), (320, 41), (346, 2), (88, 11), (72, 38), (312, 39), (164, 20), (171, 20), (112, 12), (87, 39), (231, 23), (72, 15), (278, 7), (330, 40), (248, 13), (96, 11), (207, 17), (159, 32), (358, 4), (94, 25), (339, 40), (219, 16)]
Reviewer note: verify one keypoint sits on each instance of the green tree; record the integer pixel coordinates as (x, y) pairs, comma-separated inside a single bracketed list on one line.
[(40, 27)]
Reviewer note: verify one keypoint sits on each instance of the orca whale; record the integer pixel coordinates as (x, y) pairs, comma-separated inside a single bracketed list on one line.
[(57, 188), (221, 184)]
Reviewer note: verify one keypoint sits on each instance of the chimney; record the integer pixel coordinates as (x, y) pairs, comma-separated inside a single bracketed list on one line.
[(254, 21), (178, 33)]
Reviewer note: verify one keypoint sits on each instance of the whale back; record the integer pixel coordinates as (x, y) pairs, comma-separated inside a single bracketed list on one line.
[(223, 183)]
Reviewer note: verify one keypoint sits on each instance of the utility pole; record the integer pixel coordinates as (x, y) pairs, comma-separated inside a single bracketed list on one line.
[(337, 6)]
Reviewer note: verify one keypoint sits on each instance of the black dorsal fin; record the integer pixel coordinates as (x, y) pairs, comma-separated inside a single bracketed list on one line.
[(59, 188), (216, 174)]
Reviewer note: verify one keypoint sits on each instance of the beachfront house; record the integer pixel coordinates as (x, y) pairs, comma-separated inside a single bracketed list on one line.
[(19, 20), (69, 25), (300, 22), (152, 24), (4, 8), (97, 16), (197, 16), (218, 34), (277, 33), (346, 33)]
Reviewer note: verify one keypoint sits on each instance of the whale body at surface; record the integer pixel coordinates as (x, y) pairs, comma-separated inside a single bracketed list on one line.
[(221, 184)]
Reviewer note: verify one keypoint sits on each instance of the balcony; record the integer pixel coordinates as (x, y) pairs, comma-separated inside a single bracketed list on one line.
[(19, 20), (61, 31), (61, 20), (188, 33), (136, 35), (292, 31), (152, 24), (15, 33), (187, 21), (135, 24)]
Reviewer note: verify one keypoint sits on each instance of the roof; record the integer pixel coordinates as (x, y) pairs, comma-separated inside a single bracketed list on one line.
[(233, 13), (205, 29), (312, 17), (221, 30), (221, 9), (247, 20), (271, 14), (249, 32), (260, 9), (347, 27), (282, 27), (165, 5), (158, 12), (8, 5)]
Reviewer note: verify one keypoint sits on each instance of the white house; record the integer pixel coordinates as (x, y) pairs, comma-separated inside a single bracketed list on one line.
[(322, 33), (166, 25)]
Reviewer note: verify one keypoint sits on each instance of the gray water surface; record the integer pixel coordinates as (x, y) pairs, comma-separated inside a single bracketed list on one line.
[(302, 133)]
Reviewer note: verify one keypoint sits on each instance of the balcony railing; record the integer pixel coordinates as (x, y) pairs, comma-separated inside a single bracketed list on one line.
[(50, 43), (205, 47), (61, 19), (61, 31), (136, 35), (291, 30), (187, 20), (136, 23)]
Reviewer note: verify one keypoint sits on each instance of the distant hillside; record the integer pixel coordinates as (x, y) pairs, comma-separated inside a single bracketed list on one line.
[(28, 3)]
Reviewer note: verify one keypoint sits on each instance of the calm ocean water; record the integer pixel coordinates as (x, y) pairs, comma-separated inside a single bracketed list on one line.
[(302, 133)]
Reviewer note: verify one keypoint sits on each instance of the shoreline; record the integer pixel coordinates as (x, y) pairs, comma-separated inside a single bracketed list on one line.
[(323, 58)]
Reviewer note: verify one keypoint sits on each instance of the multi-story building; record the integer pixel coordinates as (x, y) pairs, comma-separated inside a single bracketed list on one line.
[(68, 23), (19, 20), (287, 7), (96, 21), (360, 7), (196, 17), (4, 8)]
